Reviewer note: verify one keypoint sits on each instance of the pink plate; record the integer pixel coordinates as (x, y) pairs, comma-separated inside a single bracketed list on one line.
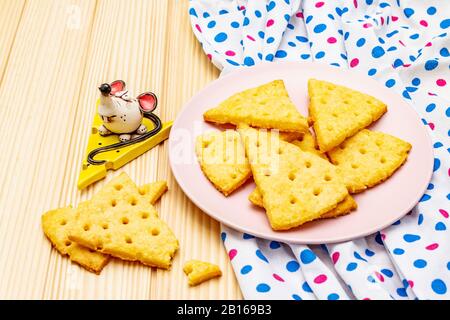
[(377, 208)]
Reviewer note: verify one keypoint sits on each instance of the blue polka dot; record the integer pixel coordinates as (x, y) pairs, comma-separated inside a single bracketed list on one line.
[(414, 36), (235, 24), (390, 34), (270, 39), (411, 237), (431, 64), (192, 12), (440, 226), (246, 269), (234, 63), (261, 34), (439, 286), (291, 44), (281, 54), (381, 40), (308, 19), (388, 273), (397, 62), (248, 61), (406, 95), (301, 39), (205, 15), (436, 145), (296, 297), (290, 26), (351, 266), (390, 83), (378, 239), (372, 72), (330, 16), (274, 245), (369, 253), (320, 28), (305, 56), (402, 292), (333, 296), (287, 17), (369, 2), (420, 263), (220, 37), (436, 164), (306, 287), (445, 23), (292, 266), (258, 13), (211, 24), (260, 255), (269, 57), (431, 186), (223, 12), (263, 287), (430, 107), (420, 219), (371, 279), (270, 6), (431, 10), (411, 89), (447, 112), (448, 265), (247, 236), (358, 256), (307, 256), (260, 55), (444, 52), (408, 12), (425, 197), (246, 21), (320, 54), (398, 251), (360, 42), (415, 81), (223, 236)]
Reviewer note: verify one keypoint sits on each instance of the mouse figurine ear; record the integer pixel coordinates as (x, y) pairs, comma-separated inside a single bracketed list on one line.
[(148, 101), (117, 86)]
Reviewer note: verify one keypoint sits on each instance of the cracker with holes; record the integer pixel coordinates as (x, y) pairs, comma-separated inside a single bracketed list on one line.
[(344, 207), (118, 221), (266, 106), (368, 158), (339, 112), (296, 186), (308, 143), (200, 271), (222, 160), (56, 224)]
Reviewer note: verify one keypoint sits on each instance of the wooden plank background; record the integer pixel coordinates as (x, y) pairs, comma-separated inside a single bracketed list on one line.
[(53, 55)]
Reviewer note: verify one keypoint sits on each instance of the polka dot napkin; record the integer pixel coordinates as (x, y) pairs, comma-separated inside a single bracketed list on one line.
[(404, 45)]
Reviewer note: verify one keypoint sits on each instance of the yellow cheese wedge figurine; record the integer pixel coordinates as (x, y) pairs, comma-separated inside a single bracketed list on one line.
[(122, 130)]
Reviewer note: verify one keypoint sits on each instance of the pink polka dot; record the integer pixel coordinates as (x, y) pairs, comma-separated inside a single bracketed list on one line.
[(299, 15), (406, 65), (411, 283), (423, 23), (431, 125), (379, 276), (198, 28), (335, 257), (331, 40), (232, 254), (319, 4), (401, 42), (230, 53), (394, 18), (441, 82), (366, 298), (270, 22), (367, 25), (442, 211), (429, 44), (209, 56), (355, 3), (277, 277), (321, 278), (382, 20), (251, 38), (242, 8), (432, 94), (432, 246), (354, 62)]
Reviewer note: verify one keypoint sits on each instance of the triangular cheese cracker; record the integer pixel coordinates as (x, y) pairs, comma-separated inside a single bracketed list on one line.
[(368, 158), (222, 160), (296, 186), (119, 221), (200, 271), (339, 112), (266, 106)]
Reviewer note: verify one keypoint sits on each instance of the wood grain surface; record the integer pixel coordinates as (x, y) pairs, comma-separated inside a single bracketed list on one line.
[(53, 55)]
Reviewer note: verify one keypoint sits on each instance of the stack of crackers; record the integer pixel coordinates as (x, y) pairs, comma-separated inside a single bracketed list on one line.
[(119, 221), (300, 175)]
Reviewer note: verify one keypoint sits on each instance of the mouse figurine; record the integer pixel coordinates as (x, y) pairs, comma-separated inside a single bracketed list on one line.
[(121, 114)]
